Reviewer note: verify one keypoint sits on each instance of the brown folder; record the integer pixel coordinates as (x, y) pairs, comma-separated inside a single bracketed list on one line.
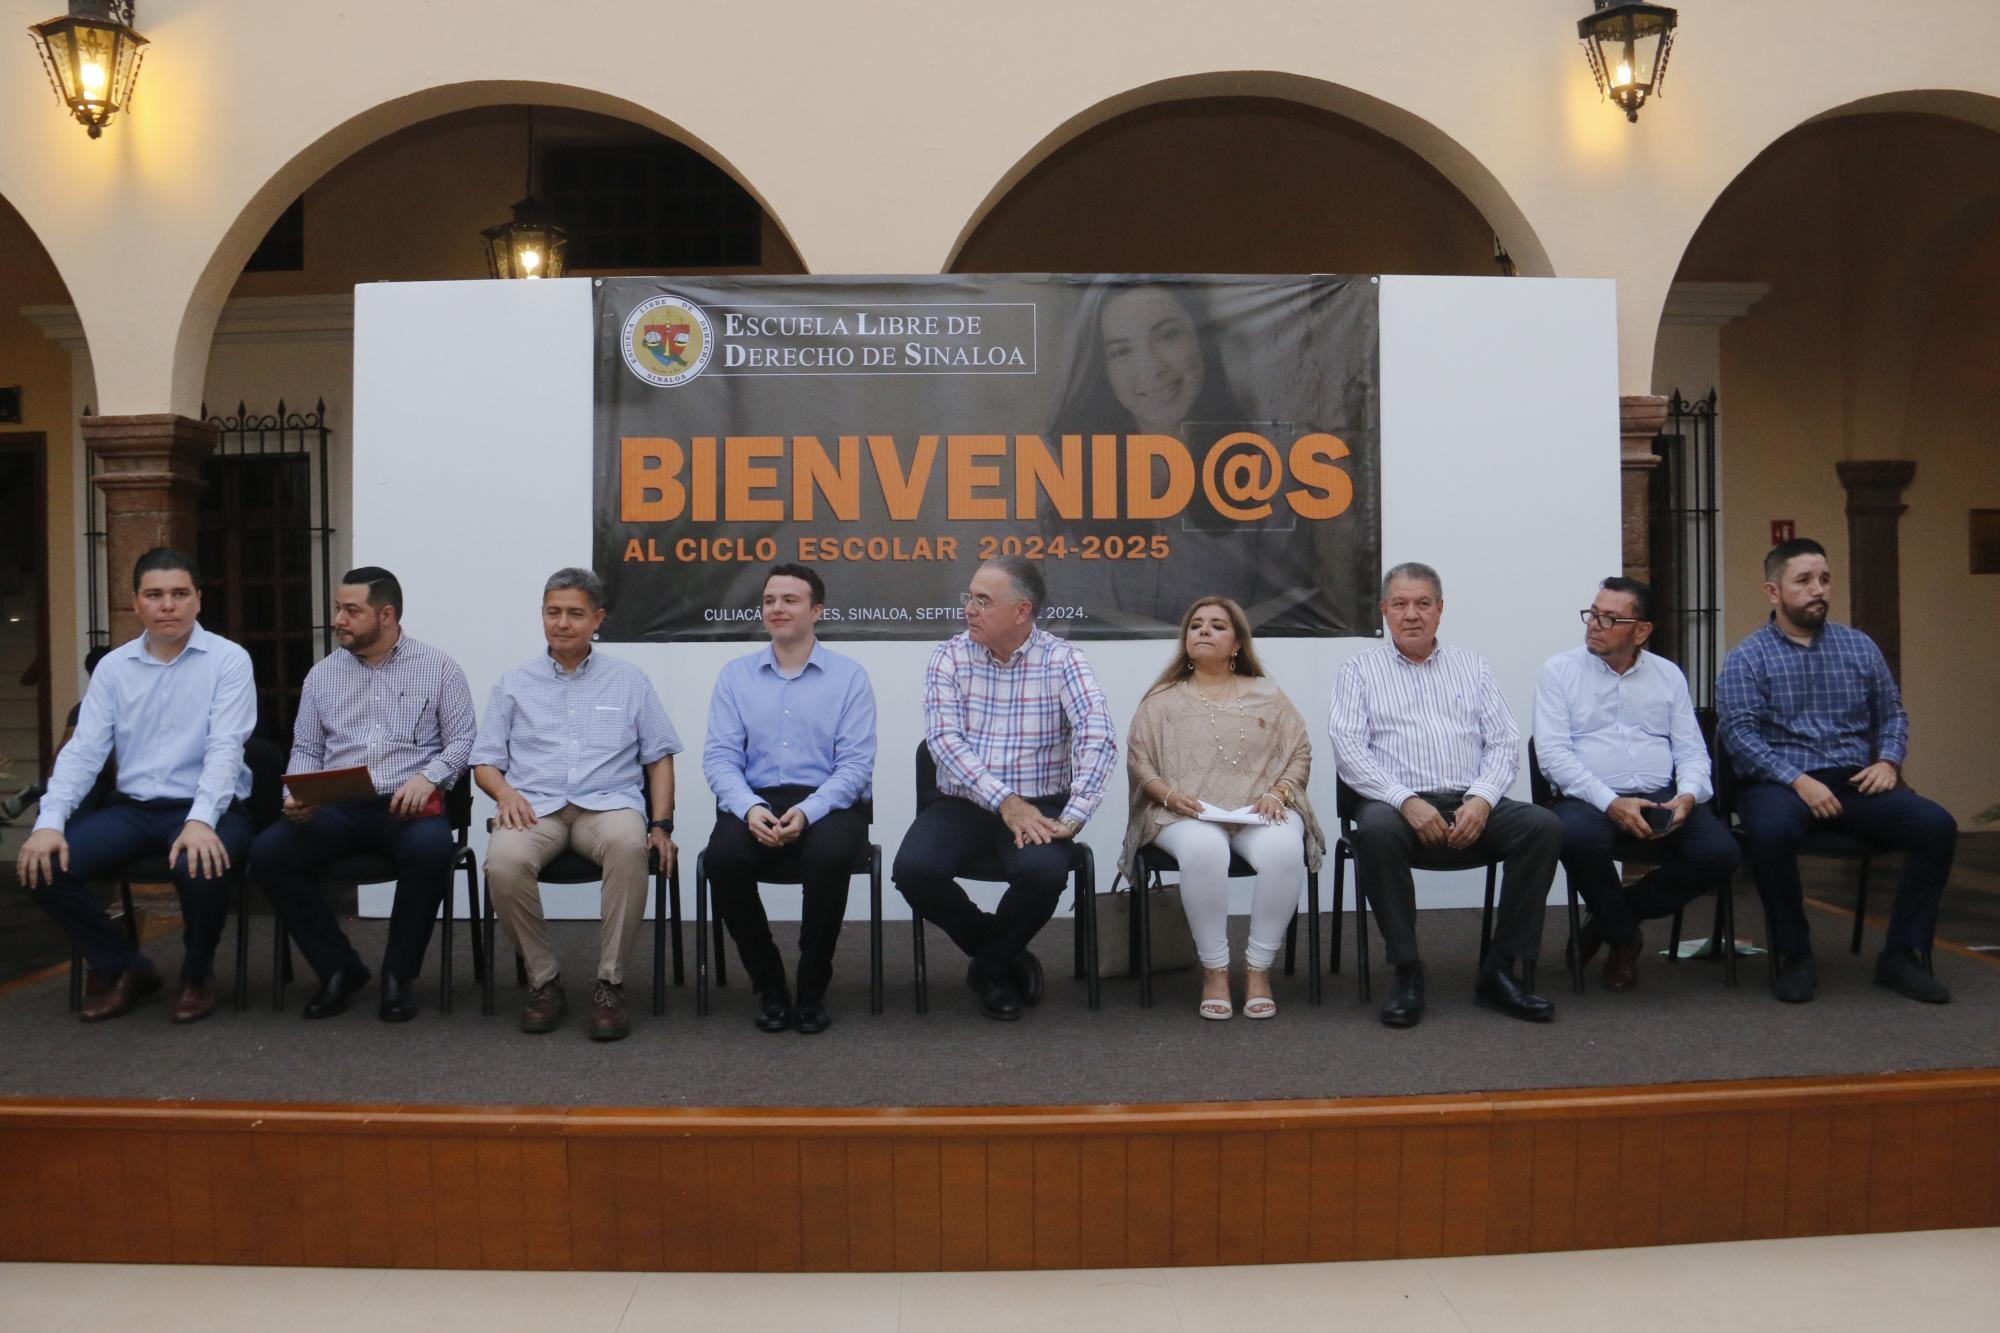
[(334, 784)]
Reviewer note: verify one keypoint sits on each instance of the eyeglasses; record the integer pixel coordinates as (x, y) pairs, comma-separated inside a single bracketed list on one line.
[(1601, 620), (975, 601)]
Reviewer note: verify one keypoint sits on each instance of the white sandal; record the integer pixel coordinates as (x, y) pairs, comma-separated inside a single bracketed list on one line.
[(1263, 1006), (1217, 1009)]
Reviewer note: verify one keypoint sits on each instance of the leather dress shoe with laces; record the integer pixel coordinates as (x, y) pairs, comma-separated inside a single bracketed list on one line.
[(1589, 938), (125, 991), (1026, 974), (608, 1019), (997, 999), (545, 1007), (774, 1010), (397, 1004), (194, 1001), (1621, 965), (1405, 1006), (1797, 979), (1902, 972), (1499, 991), (333, 994), (812, 1016)]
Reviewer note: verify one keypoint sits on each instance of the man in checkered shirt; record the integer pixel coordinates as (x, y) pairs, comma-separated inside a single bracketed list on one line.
[(1816, 727), (401, 709), (1024, 745)]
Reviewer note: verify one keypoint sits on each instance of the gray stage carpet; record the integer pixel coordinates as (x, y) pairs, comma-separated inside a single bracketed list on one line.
[(1681, 1025)]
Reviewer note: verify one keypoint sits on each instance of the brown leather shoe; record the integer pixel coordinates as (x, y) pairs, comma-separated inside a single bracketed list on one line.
[(608, 1021), (195, 1000), (1621, 965), (119, 998), (545, 1007)]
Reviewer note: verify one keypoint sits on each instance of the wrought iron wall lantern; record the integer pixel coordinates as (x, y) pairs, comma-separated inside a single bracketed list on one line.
[(92, 56), (532, 245), (1627, 44)]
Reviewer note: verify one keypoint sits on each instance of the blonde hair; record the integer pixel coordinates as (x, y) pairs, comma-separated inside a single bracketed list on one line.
[(1244, 663)]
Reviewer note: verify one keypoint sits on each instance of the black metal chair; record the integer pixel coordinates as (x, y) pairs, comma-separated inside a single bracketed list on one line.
[(1149, 866), (378, 868), (869, 863), (573, 867), (1628, 850), (1083, 882), (1821, 840), (266, 762), (1347, 804)]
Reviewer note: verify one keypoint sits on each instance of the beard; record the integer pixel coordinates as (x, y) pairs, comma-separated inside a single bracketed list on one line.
[(1810, 616)]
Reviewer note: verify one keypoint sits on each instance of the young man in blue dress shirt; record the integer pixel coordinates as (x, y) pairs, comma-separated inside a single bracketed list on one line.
[(790, 757), (1815, 725), (175, 706)]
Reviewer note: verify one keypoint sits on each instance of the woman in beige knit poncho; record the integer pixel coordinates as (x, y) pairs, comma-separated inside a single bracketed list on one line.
[(1214, 731)]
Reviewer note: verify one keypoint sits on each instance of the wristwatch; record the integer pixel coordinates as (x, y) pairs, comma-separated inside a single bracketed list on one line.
[(667, 824), (1072, 823)]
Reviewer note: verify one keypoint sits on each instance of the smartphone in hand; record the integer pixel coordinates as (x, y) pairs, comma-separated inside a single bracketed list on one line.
[(1659, 817)]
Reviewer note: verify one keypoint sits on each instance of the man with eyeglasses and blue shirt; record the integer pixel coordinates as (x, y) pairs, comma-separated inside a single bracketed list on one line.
[(790, 756), (1615, 733)]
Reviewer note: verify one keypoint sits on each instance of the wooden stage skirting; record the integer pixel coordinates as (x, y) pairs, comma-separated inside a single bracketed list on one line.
[(1009, 1188)]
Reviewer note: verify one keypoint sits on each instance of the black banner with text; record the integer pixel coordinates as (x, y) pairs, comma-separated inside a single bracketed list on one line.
[(1148, 440)]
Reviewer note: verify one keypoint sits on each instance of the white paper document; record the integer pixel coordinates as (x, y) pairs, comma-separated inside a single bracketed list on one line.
[(1215, 814)]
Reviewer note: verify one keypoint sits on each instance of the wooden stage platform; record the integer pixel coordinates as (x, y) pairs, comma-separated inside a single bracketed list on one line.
[(1002, 1188)]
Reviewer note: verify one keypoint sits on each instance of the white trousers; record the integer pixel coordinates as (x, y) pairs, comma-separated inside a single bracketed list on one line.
[(1275, 851)]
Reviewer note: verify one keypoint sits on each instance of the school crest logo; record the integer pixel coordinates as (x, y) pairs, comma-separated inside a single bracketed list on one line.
[(667, 341)]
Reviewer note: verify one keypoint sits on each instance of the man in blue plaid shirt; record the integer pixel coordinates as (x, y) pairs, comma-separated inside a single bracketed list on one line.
[(1815, 725)]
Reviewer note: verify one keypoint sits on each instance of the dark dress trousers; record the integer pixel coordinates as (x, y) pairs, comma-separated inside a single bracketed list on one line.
[(823, 859)]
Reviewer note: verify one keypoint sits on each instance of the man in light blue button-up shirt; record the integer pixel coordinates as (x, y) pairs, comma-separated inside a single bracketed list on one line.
[(566, 743), (175, 706), (1615, 733), (790, 757)]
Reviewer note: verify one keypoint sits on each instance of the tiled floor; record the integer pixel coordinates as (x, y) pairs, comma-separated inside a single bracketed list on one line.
[(1938, 1281)]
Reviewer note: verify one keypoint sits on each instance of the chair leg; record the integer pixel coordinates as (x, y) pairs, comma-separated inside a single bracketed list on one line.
[(674, 922), (1361, 950), (701, 935), (1674, 935), (720, 950), (1079, 970), (75, 981), (1725, 926), (1291, 943), (917, 958), (1339, 900), (1575, 927), (1860, 905), (874, 928), (445, 944), (480, 949), (1142, 935), (492, 959), (1312, 934), (659, 943), (1486, 915)]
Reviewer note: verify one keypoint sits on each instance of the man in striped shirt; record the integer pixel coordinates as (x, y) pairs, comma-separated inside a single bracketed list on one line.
[(1815, 725), (402, 710), (1024, 745), (1422, 733)]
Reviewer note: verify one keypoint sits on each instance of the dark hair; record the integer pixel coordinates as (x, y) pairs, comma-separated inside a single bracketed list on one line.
[(1088, 404), (94, 656), (1026, 576), (583, 580), (1785, 552), (1416, 571), (384, 589), (1182, 666), (805, 572), (1640, 593), (165, 558)]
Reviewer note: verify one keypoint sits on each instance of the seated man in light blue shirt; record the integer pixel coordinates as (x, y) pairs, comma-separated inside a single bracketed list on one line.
[(790, 756), (175, 706), (1616, 735), (567, 739)]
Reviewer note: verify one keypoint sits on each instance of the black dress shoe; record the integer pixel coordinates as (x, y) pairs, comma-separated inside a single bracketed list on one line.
[(1589, 939), (1405, 1006), (1026, 974), (997, 998), (1901, 971), (1797, 979), (774, 1011), (398, 1005), (811, 1016), (333, 994), (1499, 991)]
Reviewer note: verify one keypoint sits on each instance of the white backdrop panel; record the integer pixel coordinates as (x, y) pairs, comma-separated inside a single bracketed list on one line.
[(472, 480)]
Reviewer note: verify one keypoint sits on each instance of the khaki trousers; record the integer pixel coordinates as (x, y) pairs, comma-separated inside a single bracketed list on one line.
[(615, 839)]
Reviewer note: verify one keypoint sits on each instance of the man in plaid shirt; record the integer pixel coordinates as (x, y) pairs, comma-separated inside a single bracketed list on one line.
[(1024, 744), (1815, 725)]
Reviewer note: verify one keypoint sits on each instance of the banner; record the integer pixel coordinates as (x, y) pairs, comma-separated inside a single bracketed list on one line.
[(1147, 440)]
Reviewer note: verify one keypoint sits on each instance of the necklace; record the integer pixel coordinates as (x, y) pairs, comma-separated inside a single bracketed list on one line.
[(1217, 711)]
